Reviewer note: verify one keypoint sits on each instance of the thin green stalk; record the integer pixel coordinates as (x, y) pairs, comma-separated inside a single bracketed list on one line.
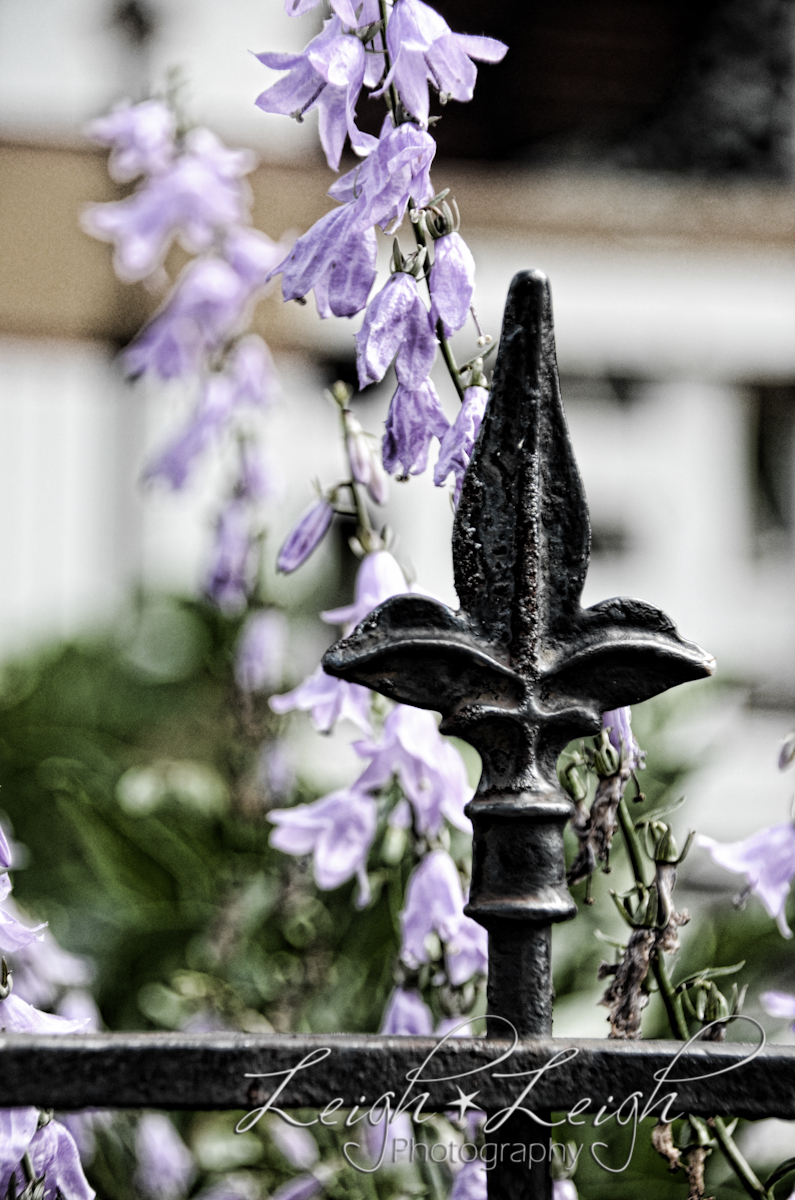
[(388, 62), (676, 1020)]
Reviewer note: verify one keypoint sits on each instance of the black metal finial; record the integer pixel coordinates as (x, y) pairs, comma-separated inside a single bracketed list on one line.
[(521, 668)]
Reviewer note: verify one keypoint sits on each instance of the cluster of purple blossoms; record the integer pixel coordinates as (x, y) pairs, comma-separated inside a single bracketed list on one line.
[(192, 190), (339, 829), (47, 1145), (337, 256)]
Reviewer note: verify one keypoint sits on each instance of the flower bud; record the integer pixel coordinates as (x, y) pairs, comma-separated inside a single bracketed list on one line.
[(606, 757), (378, 487), (359, 453), (787, 753), (571, 781), (305, 536)]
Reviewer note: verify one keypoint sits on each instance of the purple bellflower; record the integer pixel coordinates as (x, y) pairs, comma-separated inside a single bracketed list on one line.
[(248, 379), (329, 700), (767, 859), (618, 722), (467, 953), (229, 577), (435, 904), (407, 1013), (53, 1153), (196, 196), (337, 259), (165, 1164), (452, 282), (327, 75), (141, 138), (252, 255), (430, 771), (424, 49), (296, 1144), (43, 969), (17, 1127), (303, 1187), (305, 536), (778, 1004), (338, 830), (415, 416), (564, 1189), (398, 170), (259, 660), (343, 8), (18, 1017), (378, 578), (13, 934), (396, 326), (206, 305), (471, 1182), (459, 441)]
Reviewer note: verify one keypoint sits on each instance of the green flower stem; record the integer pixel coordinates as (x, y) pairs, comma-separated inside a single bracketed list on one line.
[(676, 1020), (395, 99)]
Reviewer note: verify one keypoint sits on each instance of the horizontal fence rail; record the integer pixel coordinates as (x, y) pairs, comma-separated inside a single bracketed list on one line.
[(212, 1071)]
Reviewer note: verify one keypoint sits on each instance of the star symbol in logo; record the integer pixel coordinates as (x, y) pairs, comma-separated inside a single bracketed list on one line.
[(463, 1103)]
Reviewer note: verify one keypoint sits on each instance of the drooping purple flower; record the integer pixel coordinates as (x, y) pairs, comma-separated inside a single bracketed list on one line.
[(767, 860), (396, 326), (53, 1153), (434, 904), (275, 770), (398, 169), (252, 255), (239, 1186), (327, 75), (303, 1187), (365, 464), (459, 441), (329, 700), (165, 1164), (335, 257), (19, 1017), (343, 8), (415, 416), (778, 1004), (407, 1013), (229, 576), (305, 536), (338, 830), (467, 952), (452, 282), (199, 194), (296, 1144), (564, 1189), (17, 1127), (13, 934), (471, 1182), (206, 305), (618, 722), (430, 770), (43, 969), (141, 137), (378, 578), (424, 50), (259, 660), (248, 378)]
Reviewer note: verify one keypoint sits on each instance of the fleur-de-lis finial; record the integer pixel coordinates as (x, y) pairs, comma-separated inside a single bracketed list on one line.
[(520, 668)]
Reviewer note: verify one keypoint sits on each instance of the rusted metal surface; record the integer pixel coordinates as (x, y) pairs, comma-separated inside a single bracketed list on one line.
[(520, 669), (208, 1071)]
